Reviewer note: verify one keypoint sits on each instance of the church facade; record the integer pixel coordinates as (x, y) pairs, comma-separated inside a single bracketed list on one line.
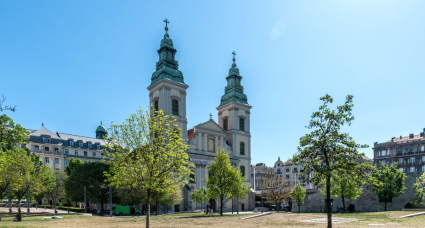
[(168, 91)]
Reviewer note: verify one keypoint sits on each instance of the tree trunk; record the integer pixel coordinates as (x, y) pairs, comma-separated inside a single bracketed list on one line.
[(328, 200), (19, 216), (343, 200), (299, 208), (157, 207), (277, 206), (148, 209), (385, 202), (221, 207), (101, 205)]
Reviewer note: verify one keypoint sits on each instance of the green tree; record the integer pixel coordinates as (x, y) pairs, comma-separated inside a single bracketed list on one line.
[(27, 176), (167, 197), (58, 192), (129, 195), (11, 134), (92, 176), (326, 149), (418, 187), (73, 163), (298, 194), (224, 181), (390, 182), (199, 195), (147, 152), (347, 184)]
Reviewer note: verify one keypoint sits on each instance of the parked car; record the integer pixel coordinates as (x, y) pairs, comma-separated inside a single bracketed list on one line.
[(14, 203), (23, 203), (125, 210)]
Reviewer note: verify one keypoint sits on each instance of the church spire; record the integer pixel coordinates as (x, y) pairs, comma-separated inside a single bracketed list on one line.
[(167, 66), (234, 89)]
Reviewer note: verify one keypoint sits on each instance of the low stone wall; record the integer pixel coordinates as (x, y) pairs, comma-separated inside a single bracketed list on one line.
[(367, 202)]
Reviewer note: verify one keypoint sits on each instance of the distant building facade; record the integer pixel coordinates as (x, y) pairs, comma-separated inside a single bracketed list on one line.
[(56, 149), (407, 152)]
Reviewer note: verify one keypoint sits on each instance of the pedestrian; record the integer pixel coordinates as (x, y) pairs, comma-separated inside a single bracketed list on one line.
[(208, 208)]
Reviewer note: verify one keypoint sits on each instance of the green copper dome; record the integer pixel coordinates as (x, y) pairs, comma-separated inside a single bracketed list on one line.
[(167, 66), (101, 128), (234, 89)]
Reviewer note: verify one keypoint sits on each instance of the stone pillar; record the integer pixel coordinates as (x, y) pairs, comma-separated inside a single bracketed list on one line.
[(198, 182), (203, 142)]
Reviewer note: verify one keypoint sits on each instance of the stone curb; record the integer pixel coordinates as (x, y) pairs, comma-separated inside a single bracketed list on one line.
[(411, 215), (254, 216)]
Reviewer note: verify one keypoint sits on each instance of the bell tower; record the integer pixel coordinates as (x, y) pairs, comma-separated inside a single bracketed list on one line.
[(167, 91), (234, 117)]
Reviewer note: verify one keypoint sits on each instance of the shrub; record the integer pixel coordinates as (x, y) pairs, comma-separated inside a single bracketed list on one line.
[(351, 207), (409, 204)]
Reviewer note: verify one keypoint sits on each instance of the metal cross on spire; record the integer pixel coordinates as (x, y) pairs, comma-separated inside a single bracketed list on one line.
[(234, 53), (211, 116), (166, 24)]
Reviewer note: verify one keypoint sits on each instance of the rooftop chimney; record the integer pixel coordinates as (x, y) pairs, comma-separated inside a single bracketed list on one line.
[(411, 136), (401, 137), (392, 139), (421, 134)]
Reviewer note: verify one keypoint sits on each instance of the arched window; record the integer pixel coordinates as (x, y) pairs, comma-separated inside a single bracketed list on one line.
[(242, 170), (175, 107), (192, 178), (225, 123), (242, 148), (156, 105), (241, 124)]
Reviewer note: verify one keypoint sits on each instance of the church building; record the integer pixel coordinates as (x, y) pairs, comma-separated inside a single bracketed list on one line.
[(231, 131)]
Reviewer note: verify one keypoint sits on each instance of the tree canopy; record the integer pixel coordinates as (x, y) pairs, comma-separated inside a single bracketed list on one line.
[(11, 134), (389, 182), (298, 194), (73, 163), (224, 181), (419, 187), (276, 189), (147, 152)]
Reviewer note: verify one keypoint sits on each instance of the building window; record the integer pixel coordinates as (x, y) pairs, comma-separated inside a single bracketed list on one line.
[(278, 164), (89, 145), (46, 160), (423, 168), (400, 161), (242, 148), (412, 160), (36, 148), (56, 149), (66, 162), (278, 171), (242, 171), (156, 105), (80, 144), (76, 152), (287, 170), (295, 170), (287, 176), (383, 152), (241, 124), (56, 160), (46, 148), (85, 153), (422, 148), (192, 178), (98, 147), (175, 107), (44, 140), (102, 155), (225, 123), (66, 151), (71, 143), (94, 154), (412, 169), (423, 158)]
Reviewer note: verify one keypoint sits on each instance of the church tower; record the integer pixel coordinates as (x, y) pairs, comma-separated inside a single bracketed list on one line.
[(167, 91), (234, 118)]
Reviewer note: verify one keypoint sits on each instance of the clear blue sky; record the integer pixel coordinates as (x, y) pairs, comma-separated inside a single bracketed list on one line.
[(71, 64)]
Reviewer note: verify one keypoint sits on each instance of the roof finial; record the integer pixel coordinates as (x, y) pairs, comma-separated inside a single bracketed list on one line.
[(42, 124), (101, 122), (234, 53), (211, 116), (166, 24)]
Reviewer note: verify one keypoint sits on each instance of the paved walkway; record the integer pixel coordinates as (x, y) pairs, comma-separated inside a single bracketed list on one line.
[(34, 210)]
